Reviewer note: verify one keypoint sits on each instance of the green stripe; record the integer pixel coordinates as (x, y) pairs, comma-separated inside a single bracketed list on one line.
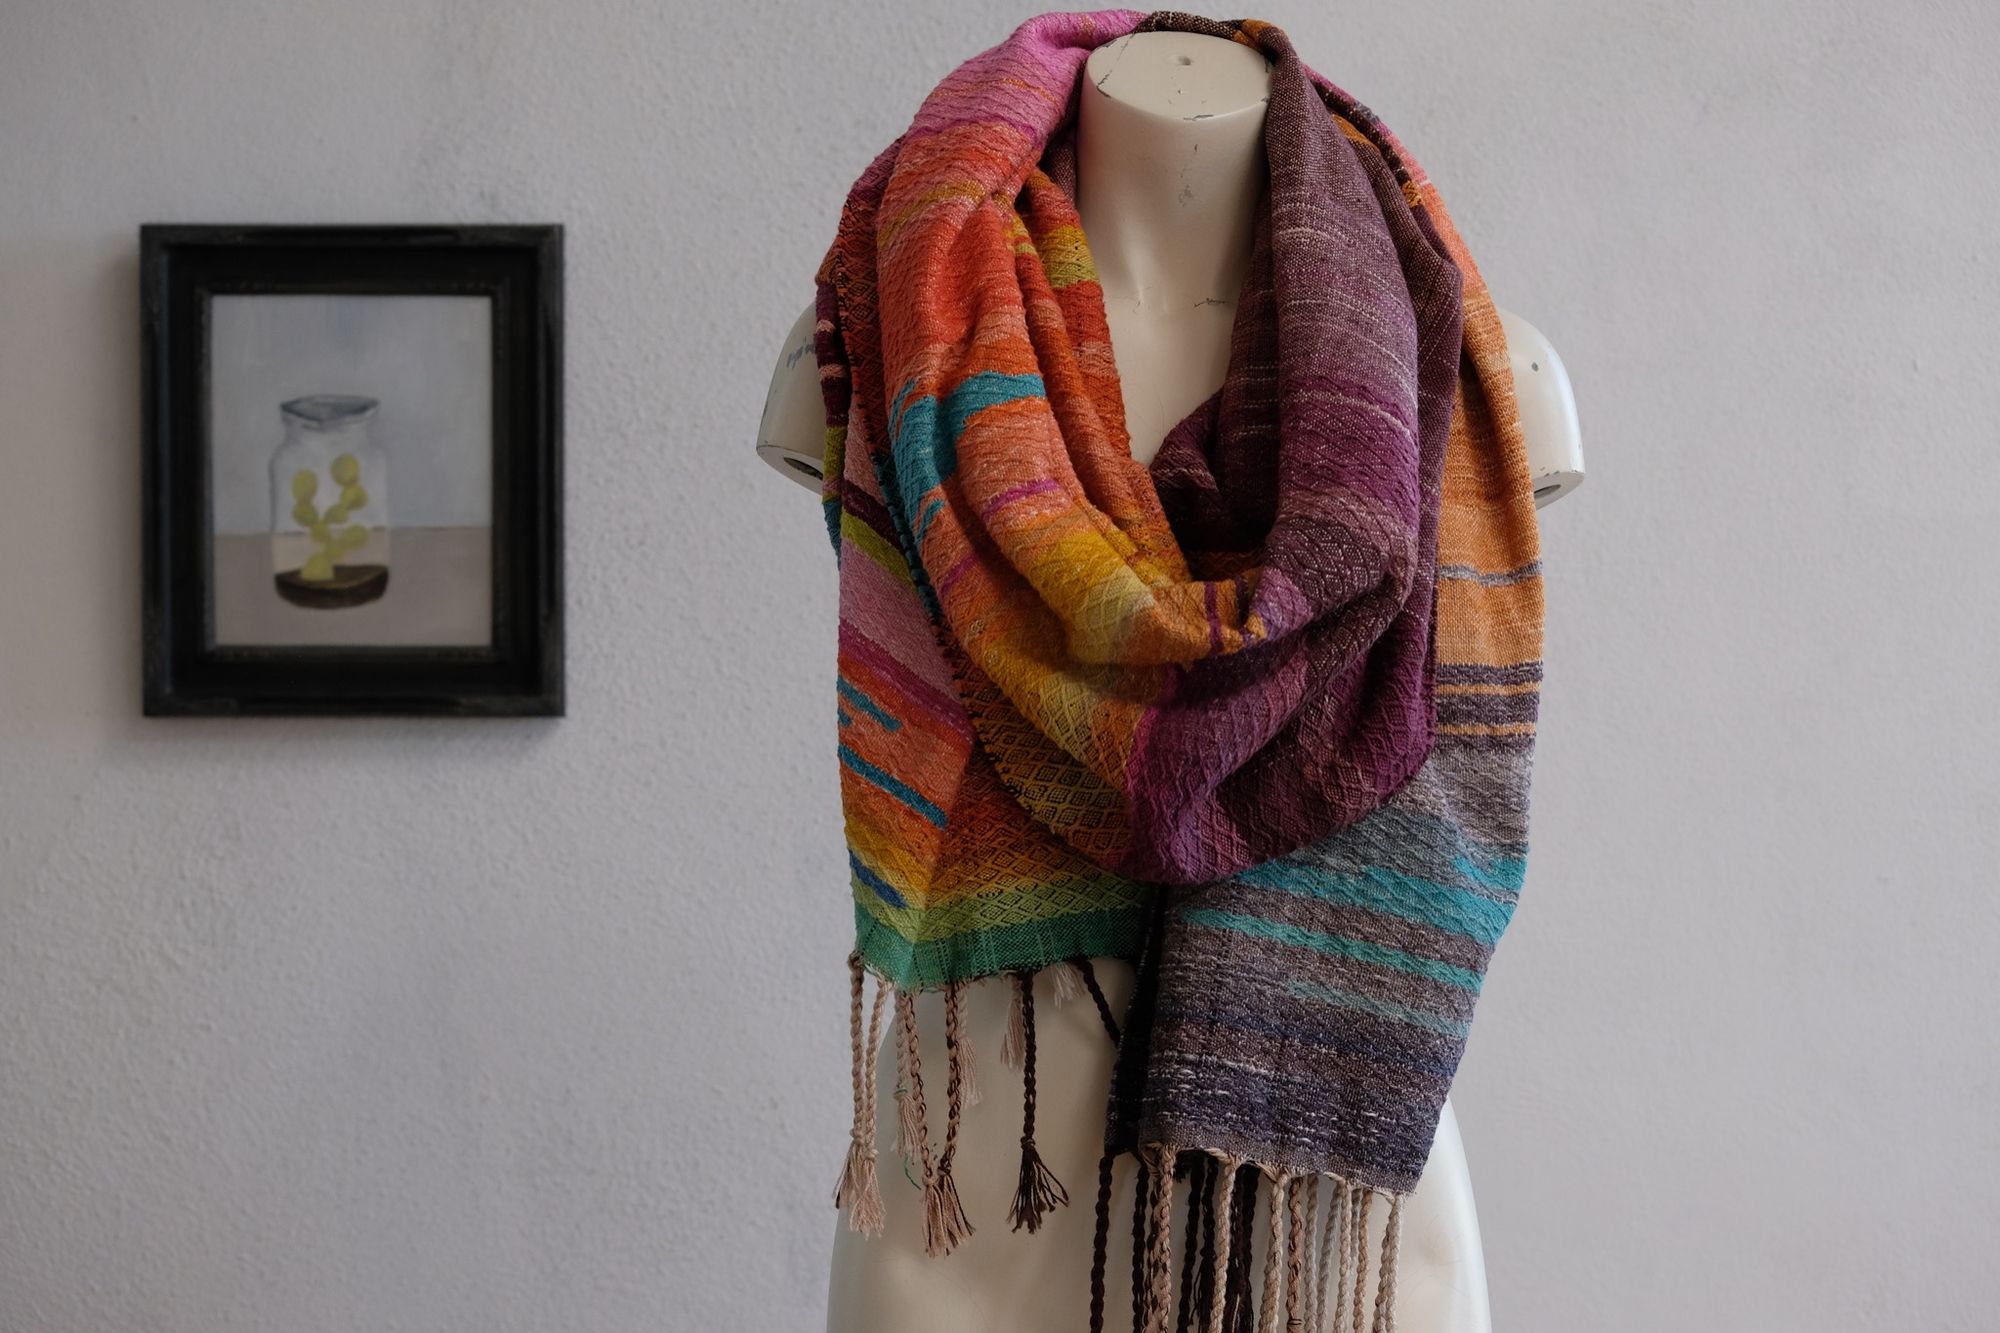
[(975, 912), (1361, 951), (928, 964)]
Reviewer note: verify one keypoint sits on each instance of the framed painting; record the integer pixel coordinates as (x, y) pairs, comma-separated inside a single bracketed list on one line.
[(353, 470)]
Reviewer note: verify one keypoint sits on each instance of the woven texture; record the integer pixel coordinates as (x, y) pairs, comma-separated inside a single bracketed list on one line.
[(1259, 716)]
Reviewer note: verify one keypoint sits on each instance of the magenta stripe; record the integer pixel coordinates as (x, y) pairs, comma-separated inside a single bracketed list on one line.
[(948, 712), (1021, 492), (951, 576)]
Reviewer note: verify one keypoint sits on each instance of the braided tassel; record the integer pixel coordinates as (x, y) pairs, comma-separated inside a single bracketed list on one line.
[(1038, 1190), (859, 1192), (945, 1224)]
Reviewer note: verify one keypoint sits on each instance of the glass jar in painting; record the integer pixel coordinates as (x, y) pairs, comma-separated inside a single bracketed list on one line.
[(330, 504)]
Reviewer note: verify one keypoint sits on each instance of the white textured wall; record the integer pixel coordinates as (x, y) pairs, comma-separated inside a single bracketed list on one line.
[(359, 1027)]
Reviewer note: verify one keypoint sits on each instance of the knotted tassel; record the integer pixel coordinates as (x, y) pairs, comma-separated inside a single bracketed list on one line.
[(945, 1224), (1325, 1314), (1038, 1190), (859, 1192)]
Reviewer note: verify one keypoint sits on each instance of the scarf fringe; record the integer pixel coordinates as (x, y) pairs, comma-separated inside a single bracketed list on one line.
[(1038, 1190), (859, 1191), (945, 1224), (1013, 1046), (1299, 1289), (1316, 1264)]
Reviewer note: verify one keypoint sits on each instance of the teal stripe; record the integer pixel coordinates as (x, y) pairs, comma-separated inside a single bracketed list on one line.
[(1368, 1004), (1407, 897), (875, 884), (895, 411), (988, 388), (853, 695), (902, 791), (925, 438), (1503, 874), (1339, 946), (925, 519)]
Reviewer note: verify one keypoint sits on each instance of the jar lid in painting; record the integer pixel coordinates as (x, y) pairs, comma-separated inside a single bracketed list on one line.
[(322, 410)]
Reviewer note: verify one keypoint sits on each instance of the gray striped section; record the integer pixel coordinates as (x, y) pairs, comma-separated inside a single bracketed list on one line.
[(1467, 574)]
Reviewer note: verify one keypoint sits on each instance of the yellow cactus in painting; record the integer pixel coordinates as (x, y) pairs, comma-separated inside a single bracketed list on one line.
[(329, 531)]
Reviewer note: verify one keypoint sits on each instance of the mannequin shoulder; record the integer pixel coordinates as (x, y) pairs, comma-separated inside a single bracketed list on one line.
[(1547, 404), (791, 434)]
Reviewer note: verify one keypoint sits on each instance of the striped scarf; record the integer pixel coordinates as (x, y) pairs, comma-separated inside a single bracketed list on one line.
[(1256, 717)]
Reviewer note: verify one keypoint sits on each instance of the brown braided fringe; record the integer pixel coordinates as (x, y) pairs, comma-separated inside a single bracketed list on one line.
[(1315, 1274), (1038, 1190)]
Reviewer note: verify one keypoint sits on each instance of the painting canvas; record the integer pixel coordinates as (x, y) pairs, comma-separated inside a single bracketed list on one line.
[(352, 469), (351, 447)]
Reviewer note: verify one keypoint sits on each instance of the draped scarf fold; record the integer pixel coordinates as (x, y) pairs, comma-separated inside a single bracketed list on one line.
[(1257, 717)]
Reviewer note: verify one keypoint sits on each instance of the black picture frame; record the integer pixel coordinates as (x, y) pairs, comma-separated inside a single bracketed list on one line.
[(520, 673)]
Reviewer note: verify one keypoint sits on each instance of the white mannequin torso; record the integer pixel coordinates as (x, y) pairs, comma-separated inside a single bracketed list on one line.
[(1169, 171)]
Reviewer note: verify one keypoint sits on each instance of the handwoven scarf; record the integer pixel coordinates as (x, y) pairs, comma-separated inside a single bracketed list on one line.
[(1257, 718)]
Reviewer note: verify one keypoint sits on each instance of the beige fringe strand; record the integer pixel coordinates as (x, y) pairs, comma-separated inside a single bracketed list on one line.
[(1225, 1193), (1365, 1198), (859, 1192), (1274, 1249), (954, 996), (1309, 1299), (912, 1136), (1067, 980), (1385, 1291), (1295, 1254), (1159, 1242), (1325, 1312)]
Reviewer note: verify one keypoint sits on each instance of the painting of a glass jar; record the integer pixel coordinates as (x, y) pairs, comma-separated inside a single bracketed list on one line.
[(329, 504)]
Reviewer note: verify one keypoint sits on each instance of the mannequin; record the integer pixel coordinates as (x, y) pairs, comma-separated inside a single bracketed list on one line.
[(1169, 170)]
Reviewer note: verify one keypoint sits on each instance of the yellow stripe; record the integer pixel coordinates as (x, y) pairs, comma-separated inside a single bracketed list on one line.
[(1527, 687)]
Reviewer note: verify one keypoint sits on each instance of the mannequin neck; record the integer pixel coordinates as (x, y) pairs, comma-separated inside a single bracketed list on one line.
[(1170, 165)]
